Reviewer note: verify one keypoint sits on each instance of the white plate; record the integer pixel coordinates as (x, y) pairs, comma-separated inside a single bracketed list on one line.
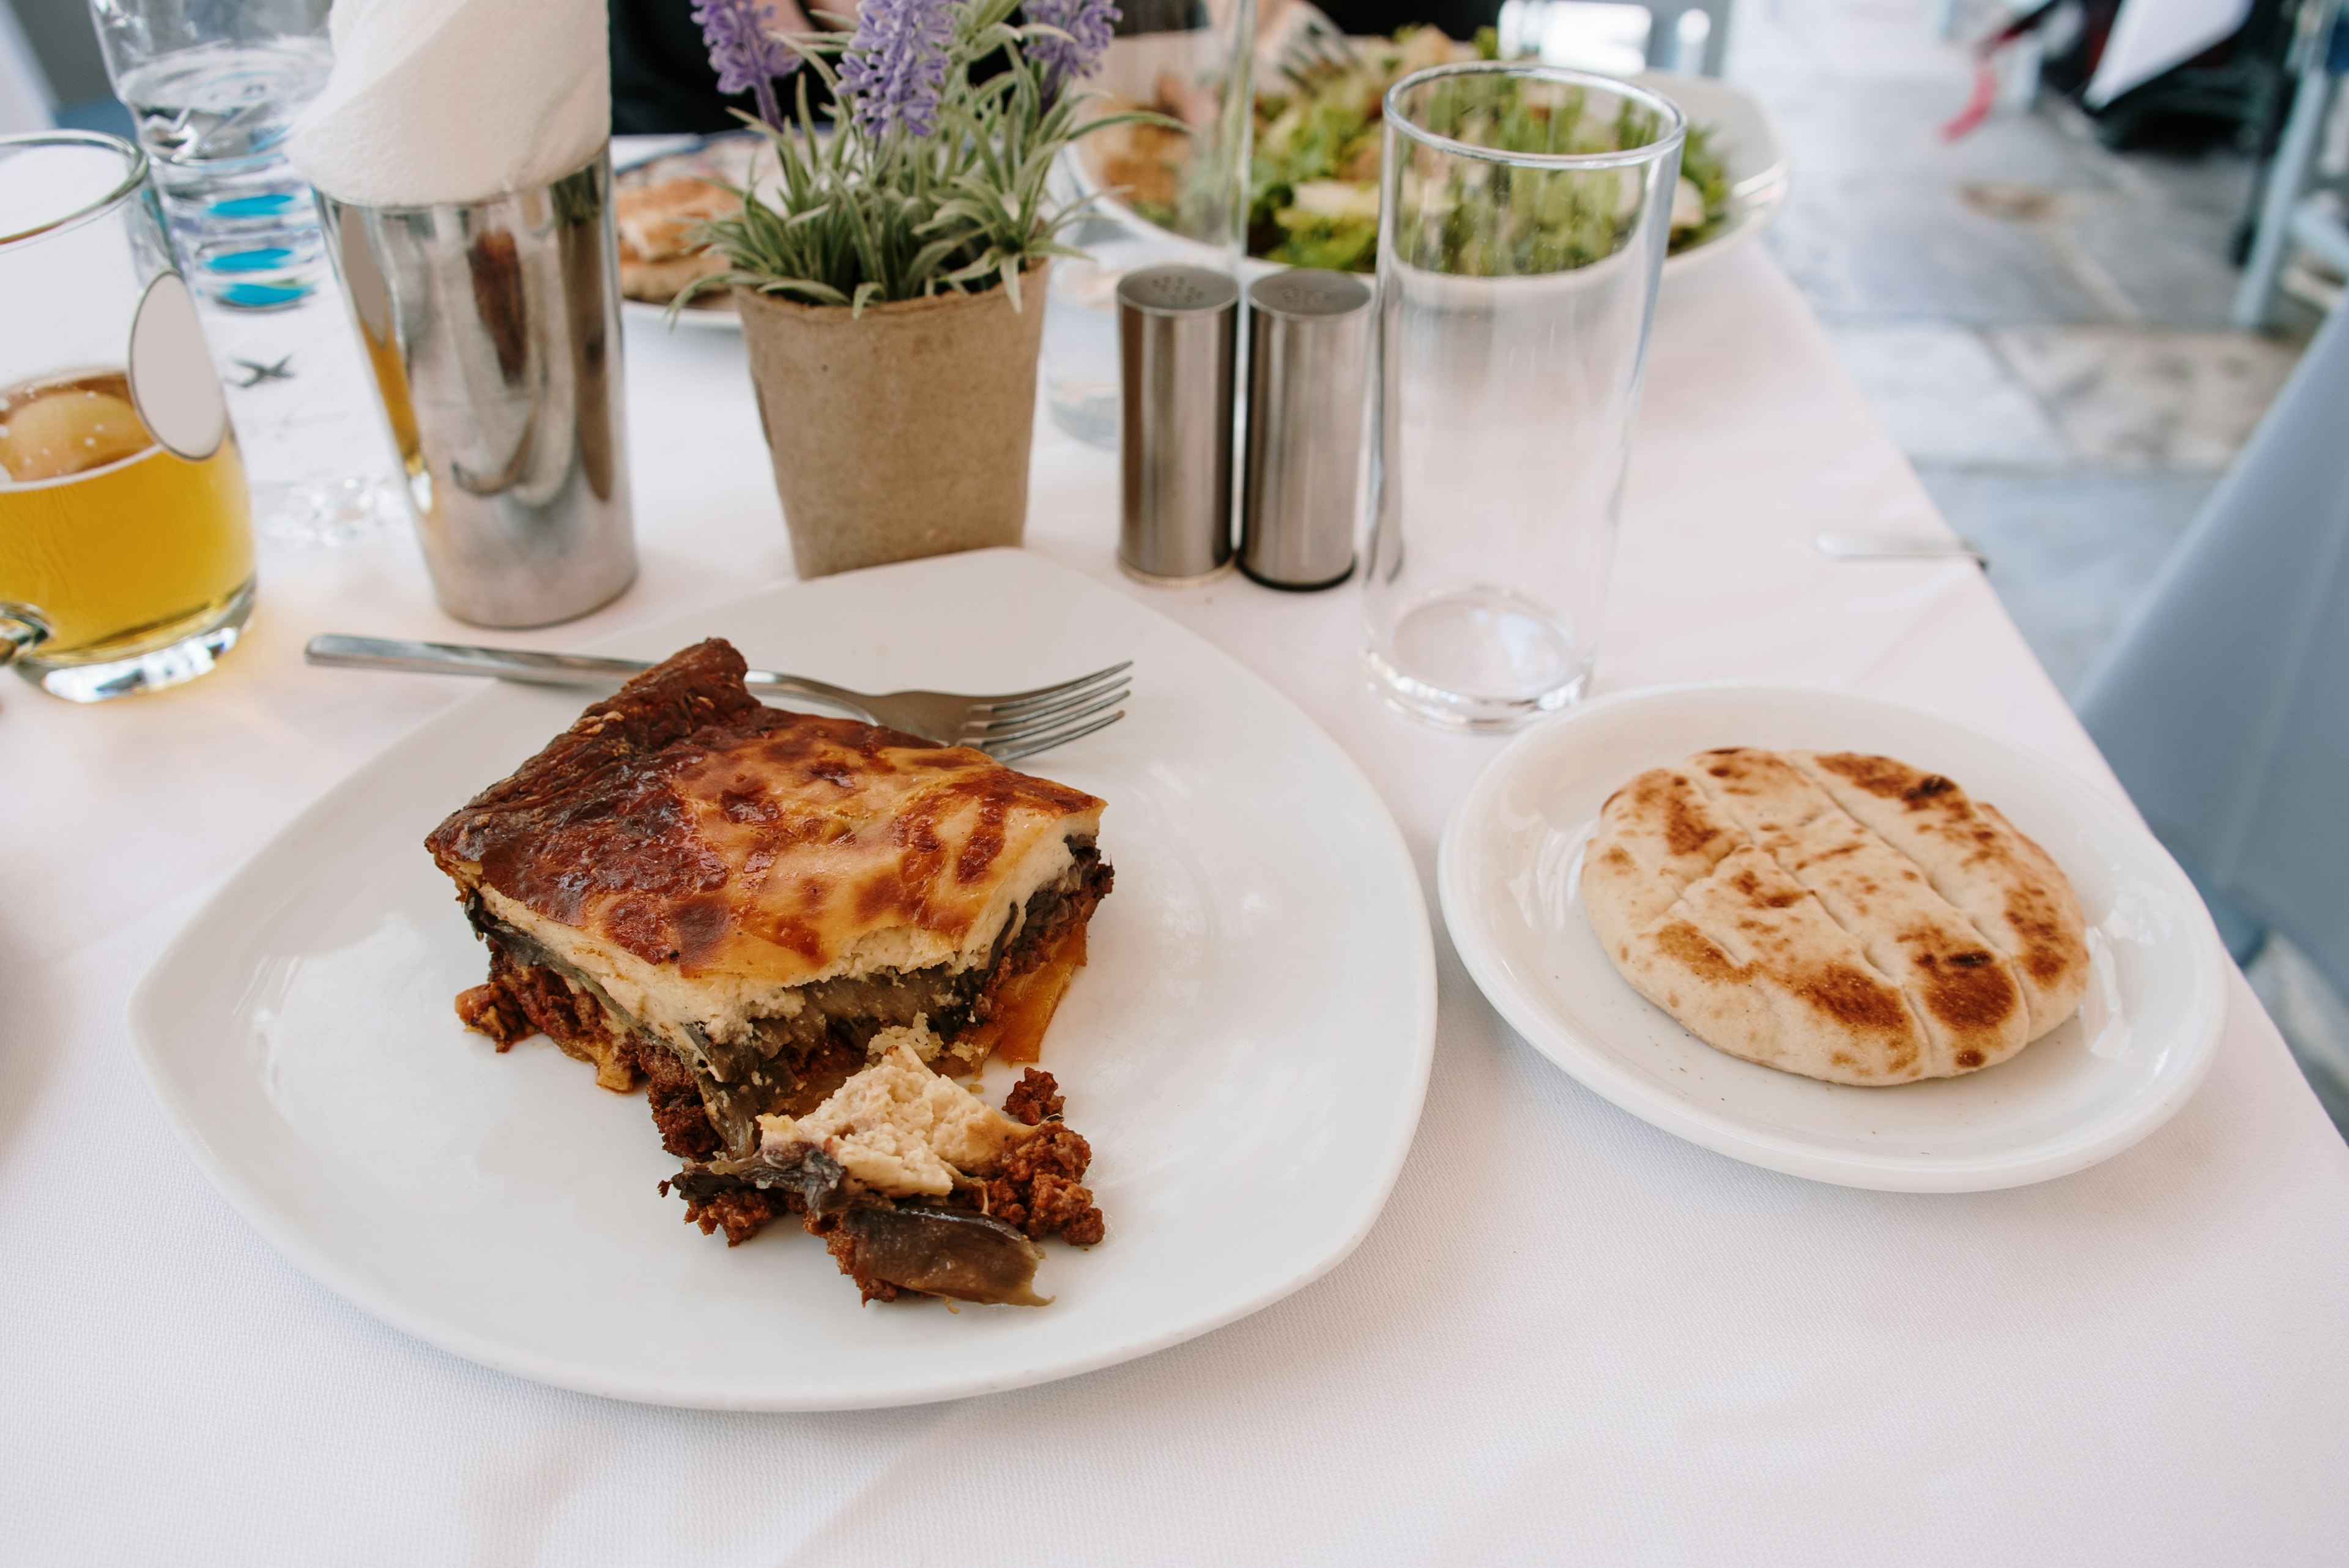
[(655, 317), (1509, 872), (725, 154), (1246, 1050)]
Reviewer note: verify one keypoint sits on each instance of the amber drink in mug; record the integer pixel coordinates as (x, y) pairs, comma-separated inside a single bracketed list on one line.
[(125, 543)]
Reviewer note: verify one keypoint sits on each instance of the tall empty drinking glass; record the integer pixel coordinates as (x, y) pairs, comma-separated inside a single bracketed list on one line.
[(1522, 222), (126, 547)]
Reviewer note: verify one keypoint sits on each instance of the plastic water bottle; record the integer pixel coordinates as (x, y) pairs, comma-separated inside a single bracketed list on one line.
[(213, 119), (214, 88)]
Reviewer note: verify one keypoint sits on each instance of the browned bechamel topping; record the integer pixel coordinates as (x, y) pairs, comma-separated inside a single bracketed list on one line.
[(691, 826)]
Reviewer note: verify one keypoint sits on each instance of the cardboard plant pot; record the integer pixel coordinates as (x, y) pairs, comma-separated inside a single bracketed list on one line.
[(903, 432)]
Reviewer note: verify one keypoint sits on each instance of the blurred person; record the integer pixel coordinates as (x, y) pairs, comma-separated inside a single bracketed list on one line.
[(662, 81)]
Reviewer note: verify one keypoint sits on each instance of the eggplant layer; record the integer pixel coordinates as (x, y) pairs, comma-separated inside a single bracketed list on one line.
[(787, 1065)]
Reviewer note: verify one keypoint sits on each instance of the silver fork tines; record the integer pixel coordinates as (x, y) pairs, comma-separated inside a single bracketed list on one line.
[(1013, 751), (1094, 696), (1013, 725), (1046, 693)]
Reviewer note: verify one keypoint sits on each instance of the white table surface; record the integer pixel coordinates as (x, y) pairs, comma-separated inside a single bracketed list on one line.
[(1572, 1336)]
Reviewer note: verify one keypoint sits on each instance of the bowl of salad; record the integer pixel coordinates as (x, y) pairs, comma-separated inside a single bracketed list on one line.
[(1313, 178)]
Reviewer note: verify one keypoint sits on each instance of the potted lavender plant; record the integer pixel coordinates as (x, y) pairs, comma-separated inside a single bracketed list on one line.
[(891, 280)]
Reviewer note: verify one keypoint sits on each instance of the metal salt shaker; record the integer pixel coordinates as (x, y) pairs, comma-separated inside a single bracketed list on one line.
[(1177, 330), (493, 331), (1308, 369)]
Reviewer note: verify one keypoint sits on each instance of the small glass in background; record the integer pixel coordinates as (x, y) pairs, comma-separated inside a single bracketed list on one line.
[(126, 545), (213, 87), (1080, 364), (1162, 196), (1524, 215)]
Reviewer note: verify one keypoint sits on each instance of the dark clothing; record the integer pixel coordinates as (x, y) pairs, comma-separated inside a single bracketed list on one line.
[(662, 81), (1458, 18), (661, 75)]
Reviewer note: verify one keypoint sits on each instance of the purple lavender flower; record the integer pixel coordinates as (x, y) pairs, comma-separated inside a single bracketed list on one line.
[(747, 57), (896, 66), (1087, 23)]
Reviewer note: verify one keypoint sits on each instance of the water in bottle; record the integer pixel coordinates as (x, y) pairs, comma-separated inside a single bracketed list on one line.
[(214, 116), (213, 119)]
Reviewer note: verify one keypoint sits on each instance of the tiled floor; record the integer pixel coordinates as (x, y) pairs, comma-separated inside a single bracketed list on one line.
[(2042, 324), (2039, 322)]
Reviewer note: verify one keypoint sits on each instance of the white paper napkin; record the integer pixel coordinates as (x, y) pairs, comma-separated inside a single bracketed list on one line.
[(456, 100)]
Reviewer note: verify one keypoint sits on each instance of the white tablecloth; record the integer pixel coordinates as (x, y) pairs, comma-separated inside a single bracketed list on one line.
[(1572, 1336)]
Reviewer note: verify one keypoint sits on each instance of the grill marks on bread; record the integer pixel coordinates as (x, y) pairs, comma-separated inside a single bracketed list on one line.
[(1962, 992), (2006, 885), (1739, 893)]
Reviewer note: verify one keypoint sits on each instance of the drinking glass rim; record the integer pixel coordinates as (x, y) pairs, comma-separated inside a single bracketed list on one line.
[(134, 177), (1391, 106)]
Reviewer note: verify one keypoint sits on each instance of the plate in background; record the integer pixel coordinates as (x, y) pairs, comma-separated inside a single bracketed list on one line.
[(1760, 165)]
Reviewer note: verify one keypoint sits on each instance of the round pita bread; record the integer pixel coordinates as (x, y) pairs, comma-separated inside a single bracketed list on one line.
[(1844, 917)]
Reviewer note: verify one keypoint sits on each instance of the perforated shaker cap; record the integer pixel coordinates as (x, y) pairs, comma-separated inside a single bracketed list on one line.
[(1177, 291), (1307, 293)]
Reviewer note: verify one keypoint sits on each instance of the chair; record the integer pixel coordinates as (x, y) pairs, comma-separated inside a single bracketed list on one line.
[(1524, 24), (1667, 49), (2223, 705), (2292, 211)]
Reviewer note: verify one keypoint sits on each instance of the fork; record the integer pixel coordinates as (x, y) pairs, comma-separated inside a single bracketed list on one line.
[(1316, 46), (1897, 547), (1007, 727)]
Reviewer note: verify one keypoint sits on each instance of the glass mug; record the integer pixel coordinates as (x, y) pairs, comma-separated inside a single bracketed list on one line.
[(125, 542), (1522, 224)]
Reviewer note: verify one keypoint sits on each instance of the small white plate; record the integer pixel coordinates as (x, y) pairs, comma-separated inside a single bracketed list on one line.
[(1509, 878), (724, 155), (1246, 1050), (656, 318)]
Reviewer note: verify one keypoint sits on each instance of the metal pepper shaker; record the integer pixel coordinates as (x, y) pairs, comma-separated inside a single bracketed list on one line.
[(1177, 331), (1309, 369)]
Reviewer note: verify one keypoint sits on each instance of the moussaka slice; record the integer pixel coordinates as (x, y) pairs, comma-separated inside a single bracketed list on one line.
[(729, 901)]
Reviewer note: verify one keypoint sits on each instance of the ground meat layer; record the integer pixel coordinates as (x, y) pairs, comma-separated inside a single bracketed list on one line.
[(520, 1000)]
